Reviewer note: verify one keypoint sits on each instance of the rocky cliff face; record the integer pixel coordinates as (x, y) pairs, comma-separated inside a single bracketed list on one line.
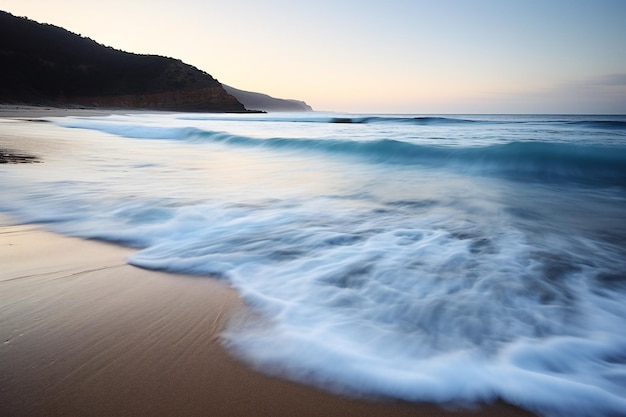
[(45, 64), (210, 99)]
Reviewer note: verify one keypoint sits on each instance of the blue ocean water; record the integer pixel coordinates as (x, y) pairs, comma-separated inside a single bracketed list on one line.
[(425, 258)]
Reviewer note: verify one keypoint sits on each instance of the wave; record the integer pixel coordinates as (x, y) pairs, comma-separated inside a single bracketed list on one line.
[(604, 124), (523, 160), (347, 119), (539, 161), (421, 120), (600, 124)]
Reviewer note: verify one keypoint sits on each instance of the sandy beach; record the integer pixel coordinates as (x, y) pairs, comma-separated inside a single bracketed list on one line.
[(85, 334)]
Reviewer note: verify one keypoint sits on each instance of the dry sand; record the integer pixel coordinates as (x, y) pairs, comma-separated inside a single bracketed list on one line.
[(84, 334)]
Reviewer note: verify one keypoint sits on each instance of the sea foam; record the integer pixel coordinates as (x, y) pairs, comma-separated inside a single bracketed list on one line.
[(445, 259)]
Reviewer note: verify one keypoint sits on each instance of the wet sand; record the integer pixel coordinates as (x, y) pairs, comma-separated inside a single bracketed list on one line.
[(84, 334)]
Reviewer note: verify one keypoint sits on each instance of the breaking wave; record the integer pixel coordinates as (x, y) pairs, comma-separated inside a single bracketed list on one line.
[(524, 160)]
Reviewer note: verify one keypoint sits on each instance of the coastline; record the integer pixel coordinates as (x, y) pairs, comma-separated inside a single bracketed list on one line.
[(84, 333), (24, 111)]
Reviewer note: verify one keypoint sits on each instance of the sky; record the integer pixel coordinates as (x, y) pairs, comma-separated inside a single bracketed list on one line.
[(365, 56)]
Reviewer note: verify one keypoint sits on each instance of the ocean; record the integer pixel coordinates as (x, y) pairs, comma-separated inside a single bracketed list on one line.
[(450, 259)]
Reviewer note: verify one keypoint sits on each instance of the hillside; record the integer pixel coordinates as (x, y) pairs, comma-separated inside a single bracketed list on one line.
[(46, 64), (259, 101)]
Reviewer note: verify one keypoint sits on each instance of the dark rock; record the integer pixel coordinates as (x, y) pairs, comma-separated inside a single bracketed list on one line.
[(10, 157), (45, 64)]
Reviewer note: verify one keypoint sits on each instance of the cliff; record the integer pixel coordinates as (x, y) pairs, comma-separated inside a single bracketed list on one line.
[(263, 102), (46, 64)]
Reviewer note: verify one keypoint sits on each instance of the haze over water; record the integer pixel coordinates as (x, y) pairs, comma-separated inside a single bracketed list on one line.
[(425, 258)]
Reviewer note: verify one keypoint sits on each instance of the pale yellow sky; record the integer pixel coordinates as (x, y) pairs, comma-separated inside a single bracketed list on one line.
[(483, 56)]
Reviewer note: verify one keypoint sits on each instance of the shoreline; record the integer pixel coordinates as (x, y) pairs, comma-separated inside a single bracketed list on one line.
[(26, 111), (84, 333)]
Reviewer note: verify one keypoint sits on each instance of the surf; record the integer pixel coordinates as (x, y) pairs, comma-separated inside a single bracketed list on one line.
[(520, 160), (444, 262)]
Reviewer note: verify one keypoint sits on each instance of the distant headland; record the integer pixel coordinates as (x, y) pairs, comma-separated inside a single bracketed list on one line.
[(264, 102), (47, 65)]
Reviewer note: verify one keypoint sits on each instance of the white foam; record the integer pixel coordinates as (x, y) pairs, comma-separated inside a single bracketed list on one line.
[(408, 312), (378, 281)]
